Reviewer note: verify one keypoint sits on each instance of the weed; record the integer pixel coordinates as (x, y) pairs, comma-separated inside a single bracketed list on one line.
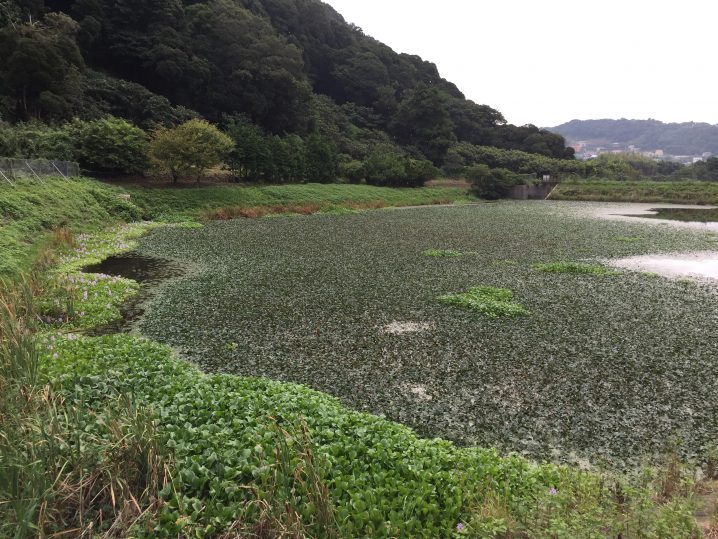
[(574, 267), (487, 300), (627, 239)]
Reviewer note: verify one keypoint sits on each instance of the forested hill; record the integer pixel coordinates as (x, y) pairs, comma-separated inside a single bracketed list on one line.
[(289, 66), (688, 138)]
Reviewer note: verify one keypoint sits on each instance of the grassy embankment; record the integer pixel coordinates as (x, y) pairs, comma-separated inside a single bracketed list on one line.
[(115, 436), (29, 210), (686, 192)]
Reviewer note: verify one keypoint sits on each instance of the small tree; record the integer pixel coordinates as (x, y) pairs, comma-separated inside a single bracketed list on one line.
[(189, 149)]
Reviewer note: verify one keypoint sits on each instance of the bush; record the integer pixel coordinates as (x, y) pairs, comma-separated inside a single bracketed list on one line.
[(491, 184), (190, 148), (37, 140), (392, 170), (110, 145), (352, 170)]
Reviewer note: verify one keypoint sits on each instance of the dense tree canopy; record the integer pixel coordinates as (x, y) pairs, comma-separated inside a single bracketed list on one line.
[(286, 66)]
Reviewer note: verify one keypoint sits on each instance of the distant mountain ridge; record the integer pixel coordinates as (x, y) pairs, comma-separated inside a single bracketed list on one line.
[(689, 138)]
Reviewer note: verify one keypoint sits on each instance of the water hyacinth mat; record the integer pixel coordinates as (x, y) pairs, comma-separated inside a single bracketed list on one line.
[(607, 370)]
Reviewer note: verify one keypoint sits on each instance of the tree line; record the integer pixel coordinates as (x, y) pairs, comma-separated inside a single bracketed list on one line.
[(289, 67), (115, 147)]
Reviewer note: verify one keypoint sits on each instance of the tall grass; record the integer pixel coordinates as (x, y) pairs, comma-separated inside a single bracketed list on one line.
[(66, 469)]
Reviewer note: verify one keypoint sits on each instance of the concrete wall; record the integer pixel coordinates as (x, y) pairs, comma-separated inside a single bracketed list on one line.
[(532, 192)]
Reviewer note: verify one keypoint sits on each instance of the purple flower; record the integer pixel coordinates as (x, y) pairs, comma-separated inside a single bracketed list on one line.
[(55, 355), (460, 527), (552, 492)]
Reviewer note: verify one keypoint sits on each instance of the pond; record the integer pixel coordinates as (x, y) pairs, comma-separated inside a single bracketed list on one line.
[(605, 368), (149, 271)]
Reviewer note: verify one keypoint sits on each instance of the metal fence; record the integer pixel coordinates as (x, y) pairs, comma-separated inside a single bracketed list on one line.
[(13, 170)]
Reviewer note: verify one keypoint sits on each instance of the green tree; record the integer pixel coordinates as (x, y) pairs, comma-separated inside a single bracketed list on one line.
[(110, 145), (321, 159), (40, 70), (250, 157), (423, 121), (189, 149)]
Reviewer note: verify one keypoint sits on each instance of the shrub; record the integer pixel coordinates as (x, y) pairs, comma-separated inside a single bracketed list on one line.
[(491, 184), (352, 170), (190, 148), (110, 145), (393, 170), (37, 140)]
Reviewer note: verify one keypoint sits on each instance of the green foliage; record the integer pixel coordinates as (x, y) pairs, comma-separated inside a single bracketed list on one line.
[(67, 465), (321, 159), (574, 267), (576, 343), (104, 95), (351, 170), (31, 210), (110, 145), (680, 192), (464, 155), (687, 214), (288, 67), (41, 68), (236, 455), (423, 121), (190, 148), (491, 184), (395, 170), (627, 239), (487, 300), (36, 140), (702, 170)]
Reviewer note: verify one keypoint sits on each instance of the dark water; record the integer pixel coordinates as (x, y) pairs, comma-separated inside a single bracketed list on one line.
[(149, 271), (702, 215)]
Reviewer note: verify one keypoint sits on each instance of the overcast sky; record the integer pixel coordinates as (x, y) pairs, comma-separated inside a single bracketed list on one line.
[(547, 62)]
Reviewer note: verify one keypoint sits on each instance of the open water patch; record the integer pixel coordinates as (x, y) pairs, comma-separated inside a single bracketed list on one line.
[(149, 271), (699, 265)]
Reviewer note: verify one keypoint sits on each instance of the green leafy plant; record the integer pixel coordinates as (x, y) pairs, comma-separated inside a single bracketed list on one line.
[(574, 267), (490, 301)]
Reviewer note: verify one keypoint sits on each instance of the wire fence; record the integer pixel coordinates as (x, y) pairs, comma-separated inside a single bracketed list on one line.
[(13, 170)]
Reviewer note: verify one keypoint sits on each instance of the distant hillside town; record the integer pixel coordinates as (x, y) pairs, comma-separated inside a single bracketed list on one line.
[(589, 150), (686, 143)]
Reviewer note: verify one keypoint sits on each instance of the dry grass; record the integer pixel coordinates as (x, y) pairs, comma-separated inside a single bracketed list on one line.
[(461, 184), (278, 517), (67, 470), (253, 212), (305, 208)]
